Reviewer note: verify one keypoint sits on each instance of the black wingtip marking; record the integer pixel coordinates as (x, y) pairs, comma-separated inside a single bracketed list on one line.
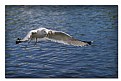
[(89, 42), (18, 41)]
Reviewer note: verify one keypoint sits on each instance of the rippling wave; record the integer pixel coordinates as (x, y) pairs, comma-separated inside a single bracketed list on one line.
[(49, 59)]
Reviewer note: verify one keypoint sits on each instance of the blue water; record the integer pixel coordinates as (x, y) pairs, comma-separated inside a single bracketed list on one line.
[(50, 59)]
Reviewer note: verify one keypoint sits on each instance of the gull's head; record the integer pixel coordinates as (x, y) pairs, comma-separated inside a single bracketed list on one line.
[(44, 32)]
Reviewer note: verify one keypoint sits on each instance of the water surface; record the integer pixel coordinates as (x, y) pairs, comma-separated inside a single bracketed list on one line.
[(50, 59)]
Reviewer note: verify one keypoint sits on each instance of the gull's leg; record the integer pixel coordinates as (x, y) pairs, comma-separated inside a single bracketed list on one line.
[(29, 40), (35, 41)]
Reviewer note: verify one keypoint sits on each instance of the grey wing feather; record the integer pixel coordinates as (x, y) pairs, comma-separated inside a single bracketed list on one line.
[(62, 37)]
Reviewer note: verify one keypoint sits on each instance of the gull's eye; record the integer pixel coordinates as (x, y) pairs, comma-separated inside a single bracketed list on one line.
[(43, 31)]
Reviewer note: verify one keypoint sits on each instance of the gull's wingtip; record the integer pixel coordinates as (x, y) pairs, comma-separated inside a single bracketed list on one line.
[(18, 41), (90, 42)]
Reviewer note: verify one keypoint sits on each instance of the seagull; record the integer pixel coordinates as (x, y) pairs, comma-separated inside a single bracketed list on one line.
[(52, 35)]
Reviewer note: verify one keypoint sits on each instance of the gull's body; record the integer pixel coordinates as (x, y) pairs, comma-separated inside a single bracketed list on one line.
[(55, 36)]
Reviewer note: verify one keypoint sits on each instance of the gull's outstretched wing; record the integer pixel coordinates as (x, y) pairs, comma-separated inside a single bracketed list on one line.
[(64, 38)]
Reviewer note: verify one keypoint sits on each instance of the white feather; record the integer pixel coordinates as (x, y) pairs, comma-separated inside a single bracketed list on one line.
[(53, 35)]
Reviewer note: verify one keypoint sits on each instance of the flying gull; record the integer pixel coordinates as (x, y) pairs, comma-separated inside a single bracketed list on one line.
[(53, 35)]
